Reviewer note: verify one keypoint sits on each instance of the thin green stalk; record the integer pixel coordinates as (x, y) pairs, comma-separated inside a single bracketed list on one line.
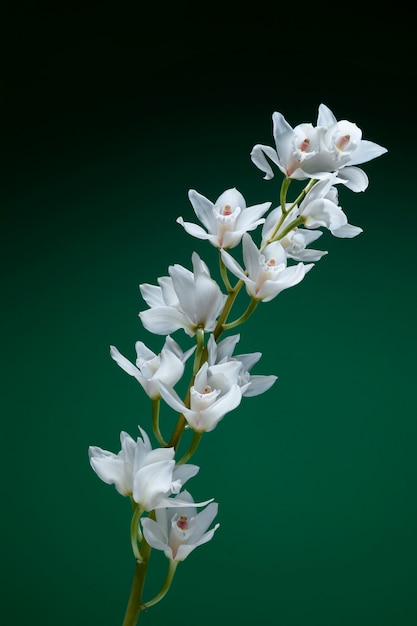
[(193, 447), (283, 194), (291, 225), (224, 274), (135, 532), (226, 309), (301, 195), (199, 336), (178, 431), (165, 587), (252, 306), (155, 421), (285, 212), (135, 606)]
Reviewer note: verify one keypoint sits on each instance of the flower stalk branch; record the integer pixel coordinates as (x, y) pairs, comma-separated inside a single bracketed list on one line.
[(172, 567), (156, 402), (134, 605)]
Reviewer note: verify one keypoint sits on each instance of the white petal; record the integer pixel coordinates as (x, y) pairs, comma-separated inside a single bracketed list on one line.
[(248, 360), (164, 320), (209, 302), (280, 125), (354, 178), (152, 294), (226, 347), (325, 116), (202, 521), (152, 482), (155, 535), (366, 151), (146, 441), (177, 502), (110, 468), (251, 216), (258, 158), (124, 363), (209, 418), (183, 473), (203, 208), (289, 277), (173, 400), (233, 197), (258, 385), (232, 265), (308, 255), (347, 231), (171, 368), (250, 256), (194, 229), (143, 352), (185, 549)]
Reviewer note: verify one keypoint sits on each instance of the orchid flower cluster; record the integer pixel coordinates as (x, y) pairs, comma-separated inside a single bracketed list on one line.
[(165, 516)]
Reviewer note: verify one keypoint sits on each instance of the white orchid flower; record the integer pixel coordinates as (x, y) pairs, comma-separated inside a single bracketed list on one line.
[(306, 151), (296, 240), (222, 352), (344, 148), (184, 299), (150, 369), (296, 148), (148, 475), (266, 273), (320, 208), (177, 533), (226, 220), (215, 392)]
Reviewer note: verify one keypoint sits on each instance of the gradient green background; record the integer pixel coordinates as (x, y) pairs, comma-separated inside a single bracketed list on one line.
[(110, 116)]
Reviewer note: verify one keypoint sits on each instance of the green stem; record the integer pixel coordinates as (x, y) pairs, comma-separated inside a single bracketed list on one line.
[(193, 447), (165, 587), (226, 309), (285, 212), (178, 430), (291, 225), (135, 532), (283, 194), (307, 188), (135, 606), (252, 306), (155, 421), (224, 275), (199, 336)]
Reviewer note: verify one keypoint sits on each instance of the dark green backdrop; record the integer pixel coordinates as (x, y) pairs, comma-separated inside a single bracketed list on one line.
[(110, 116)]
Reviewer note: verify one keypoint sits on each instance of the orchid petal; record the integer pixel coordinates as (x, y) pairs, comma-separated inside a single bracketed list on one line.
[(355, 179), (203, 209), (259, 384), (164, 320), (258, 157)]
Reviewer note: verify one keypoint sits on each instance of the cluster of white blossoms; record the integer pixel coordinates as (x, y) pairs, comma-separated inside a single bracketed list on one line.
[(325, 156)]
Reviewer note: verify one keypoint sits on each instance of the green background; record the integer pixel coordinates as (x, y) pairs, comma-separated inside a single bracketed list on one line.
[(110, 115)]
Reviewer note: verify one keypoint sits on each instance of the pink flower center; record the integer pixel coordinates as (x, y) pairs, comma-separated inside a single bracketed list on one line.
[(182, 522), (227, 210), (342, 142), (304, 145)]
